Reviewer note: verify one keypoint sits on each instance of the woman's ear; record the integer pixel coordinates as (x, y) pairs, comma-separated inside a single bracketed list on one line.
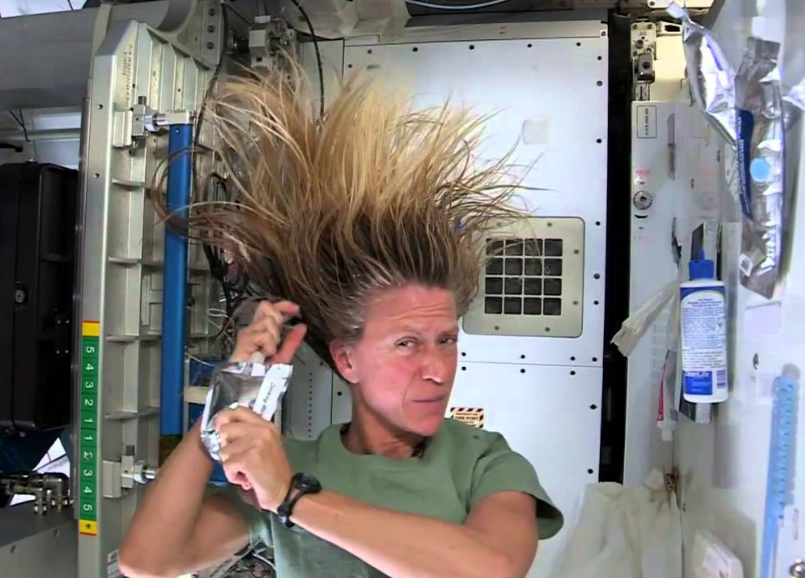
[(344, 361)]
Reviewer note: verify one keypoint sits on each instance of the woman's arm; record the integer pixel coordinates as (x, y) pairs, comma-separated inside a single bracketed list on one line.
[(175, 530), (499, 537)]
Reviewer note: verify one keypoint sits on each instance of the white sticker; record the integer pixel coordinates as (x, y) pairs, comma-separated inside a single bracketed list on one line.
[(537, 130), (112, 567), (715, 564), (205, 415), (274, 385), (258, 370), (746, 265), (646, 122)]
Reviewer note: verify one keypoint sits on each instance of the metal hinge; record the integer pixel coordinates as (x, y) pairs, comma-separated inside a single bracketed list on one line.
[(644, 52), (124, 475)]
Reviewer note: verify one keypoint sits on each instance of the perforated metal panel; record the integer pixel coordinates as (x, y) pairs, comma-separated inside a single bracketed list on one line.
[(309, 398), (533, 280)]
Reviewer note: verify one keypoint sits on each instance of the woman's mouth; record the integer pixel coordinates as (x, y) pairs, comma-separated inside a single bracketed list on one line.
[(430, 401)]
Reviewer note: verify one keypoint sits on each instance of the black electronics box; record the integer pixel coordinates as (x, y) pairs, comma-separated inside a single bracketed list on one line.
[(38, 207)]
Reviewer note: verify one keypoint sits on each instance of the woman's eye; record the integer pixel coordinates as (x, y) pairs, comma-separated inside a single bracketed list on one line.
[(406, 343), (450, 340)]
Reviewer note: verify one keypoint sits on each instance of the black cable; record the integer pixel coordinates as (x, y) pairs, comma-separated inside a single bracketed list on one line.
[(218, 265), (237, 289), (235, 12), (233, 291), (70, 4), (213, 81), (20, 121), (318, 56)]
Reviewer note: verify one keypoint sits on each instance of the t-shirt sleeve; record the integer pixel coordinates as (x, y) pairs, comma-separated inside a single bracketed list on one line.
[(500, 469), (259, 523)]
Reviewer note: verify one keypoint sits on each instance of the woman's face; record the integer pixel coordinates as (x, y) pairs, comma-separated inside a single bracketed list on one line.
[(404, 365)]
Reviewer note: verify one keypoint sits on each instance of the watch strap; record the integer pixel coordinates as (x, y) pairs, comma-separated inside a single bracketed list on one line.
[(284, 510), (296, 490)]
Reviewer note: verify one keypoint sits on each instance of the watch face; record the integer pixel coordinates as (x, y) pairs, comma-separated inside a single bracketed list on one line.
[(308, 484)]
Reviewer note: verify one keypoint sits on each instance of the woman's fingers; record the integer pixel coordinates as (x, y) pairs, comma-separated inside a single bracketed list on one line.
[(264, 334), (266, 310), (234, 448), (234, 468), (290, 344), (242, 415), (287, 308), (232, 432)]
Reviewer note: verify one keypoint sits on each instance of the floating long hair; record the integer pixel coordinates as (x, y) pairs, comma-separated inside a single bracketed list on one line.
[(326, 212)]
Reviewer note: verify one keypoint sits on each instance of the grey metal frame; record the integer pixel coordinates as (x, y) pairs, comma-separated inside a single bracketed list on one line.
[(122, 262)]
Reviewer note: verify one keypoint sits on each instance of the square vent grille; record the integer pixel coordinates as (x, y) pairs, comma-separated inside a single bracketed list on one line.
[(532, 280)]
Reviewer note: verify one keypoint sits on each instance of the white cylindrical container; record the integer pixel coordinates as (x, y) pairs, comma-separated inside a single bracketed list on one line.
[(703, 315)]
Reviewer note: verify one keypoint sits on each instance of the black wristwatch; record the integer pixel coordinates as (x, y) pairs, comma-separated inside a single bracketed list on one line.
[(301, 485)]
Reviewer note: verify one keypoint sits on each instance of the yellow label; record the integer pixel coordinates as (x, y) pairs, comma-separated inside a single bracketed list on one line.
[(91, 329), (473, 416), (88, 527)]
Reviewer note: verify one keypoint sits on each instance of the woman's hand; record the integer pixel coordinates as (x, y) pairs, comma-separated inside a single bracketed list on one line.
[(265, 331), (253, 456)]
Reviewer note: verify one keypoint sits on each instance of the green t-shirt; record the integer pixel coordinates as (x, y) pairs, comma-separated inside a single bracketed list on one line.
[(460, 466)]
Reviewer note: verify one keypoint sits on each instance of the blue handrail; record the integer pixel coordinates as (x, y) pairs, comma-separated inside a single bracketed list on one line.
[(174, 286)]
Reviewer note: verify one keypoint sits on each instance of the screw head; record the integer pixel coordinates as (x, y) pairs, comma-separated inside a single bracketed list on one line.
[(642, 200), (20, 296)]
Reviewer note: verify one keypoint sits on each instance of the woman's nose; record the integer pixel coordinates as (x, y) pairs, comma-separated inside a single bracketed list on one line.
[(435, 366)]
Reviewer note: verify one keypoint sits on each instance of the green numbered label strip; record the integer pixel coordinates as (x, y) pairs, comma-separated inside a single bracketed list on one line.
[(88, 448)]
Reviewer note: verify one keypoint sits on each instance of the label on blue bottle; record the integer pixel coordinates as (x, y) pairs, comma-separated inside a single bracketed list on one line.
[(704, 340)]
